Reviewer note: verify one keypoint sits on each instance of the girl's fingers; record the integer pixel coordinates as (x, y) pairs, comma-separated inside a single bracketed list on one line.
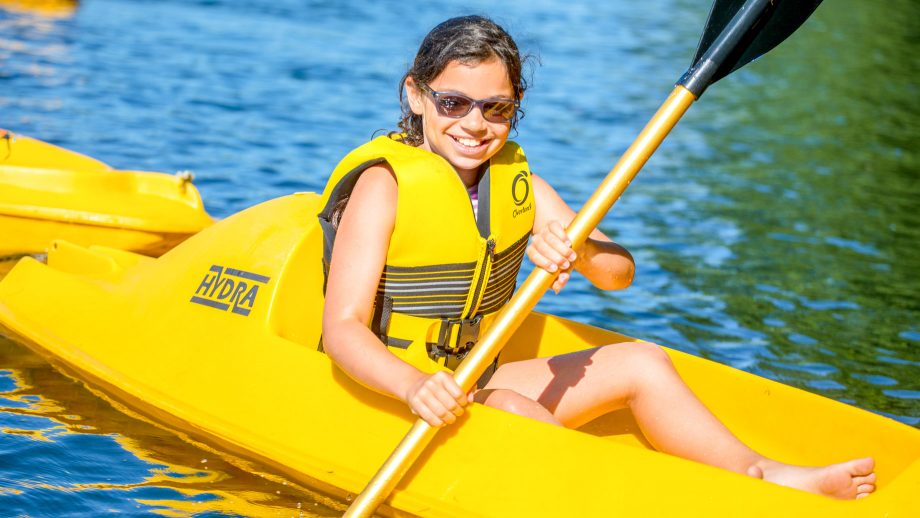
[(429, 408), (549, 258), (447, 386), (430, 418), (449, 399), (539, 259), (560, 282), (563, 279), (548, 242), (551, 254), (551, 249), (554, 235), (559, 231), (438, 399), (556, 244)]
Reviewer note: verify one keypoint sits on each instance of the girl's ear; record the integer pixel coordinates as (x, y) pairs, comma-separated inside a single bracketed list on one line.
[(414, 96)]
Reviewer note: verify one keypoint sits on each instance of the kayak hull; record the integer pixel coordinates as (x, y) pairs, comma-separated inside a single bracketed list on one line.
[(218, 338)]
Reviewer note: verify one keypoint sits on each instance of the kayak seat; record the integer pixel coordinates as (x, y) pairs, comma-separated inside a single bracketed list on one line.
[(297, 305), (94, 261)]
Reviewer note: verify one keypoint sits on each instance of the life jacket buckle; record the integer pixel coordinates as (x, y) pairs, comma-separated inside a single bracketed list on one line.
[(458, 336)]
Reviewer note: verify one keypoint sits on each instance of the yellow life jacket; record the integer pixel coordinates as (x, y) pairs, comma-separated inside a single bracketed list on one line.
[(446, 268)]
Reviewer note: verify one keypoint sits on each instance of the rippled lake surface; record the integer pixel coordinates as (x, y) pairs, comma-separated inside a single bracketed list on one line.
[(776, 230)]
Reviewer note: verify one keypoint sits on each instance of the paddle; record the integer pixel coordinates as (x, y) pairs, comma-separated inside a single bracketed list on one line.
[(736, 33)]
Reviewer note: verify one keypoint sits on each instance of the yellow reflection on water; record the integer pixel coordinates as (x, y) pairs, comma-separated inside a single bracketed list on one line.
[(201, 479)]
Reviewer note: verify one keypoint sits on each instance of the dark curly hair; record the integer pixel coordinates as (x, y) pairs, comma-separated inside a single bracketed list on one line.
[(469, 40)]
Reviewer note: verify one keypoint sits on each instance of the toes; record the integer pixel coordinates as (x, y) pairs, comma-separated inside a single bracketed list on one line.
[(865, 489), (862, 466), (865, 484), (868, 479)]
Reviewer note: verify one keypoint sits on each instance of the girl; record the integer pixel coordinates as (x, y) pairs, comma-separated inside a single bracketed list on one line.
[(413, 274)]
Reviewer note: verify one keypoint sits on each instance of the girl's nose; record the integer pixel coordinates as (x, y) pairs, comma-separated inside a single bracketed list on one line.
[(474, 120)]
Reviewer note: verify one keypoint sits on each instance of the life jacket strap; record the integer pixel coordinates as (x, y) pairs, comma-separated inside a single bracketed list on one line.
[(445, 341), (457, 335)]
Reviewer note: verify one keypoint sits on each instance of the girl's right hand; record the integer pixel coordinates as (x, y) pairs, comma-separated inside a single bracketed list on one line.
[(551, 249), (437, 399)]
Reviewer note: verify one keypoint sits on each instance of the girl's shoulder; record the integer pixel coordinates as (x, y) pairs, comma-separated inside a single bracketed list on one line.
[(377, 183), (371, 207)]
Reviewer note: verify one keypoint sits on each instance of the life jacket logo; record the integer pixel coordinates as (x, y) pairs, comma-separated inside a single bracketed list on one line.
[(229, 288), (520, 188)]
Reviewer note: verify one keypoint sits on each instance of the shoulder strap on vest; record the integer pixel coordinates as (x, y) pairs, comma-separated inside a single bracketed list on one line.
[(335, 204)]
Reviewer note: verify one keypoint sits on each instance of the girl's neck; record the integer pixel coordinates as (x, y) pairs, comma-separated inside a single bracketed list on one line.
[(471, 178)]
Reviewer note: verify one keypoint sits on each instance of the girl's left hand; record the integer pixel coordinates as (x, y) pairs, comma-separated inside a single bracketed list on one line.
[(551, 249)]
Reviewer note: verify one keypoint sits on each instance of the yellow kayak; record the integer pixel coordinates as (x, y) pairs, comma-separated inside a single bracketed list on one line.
[(218, 338), (49, 8), (47, 193)]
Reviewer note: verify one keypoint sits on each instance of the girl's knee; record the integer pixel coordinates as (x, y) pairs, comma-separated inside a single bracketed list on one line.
[(639, 350), (504, 399), (642, 358), (510, 401), (651, 352)]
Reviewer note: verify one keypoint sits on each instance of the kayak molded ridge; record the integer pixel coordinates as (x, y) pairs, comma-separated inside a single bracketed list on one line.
[(20, 150), (53, 193), (218, 338)]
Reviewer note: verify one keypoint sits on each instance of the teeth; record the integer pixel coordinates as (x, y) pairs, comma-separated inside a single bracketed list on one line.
[(468, 142)]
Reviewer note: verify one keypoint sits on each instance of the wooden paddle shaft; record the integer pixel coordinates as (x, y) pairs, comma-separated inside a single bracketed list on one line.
[(524, 300)]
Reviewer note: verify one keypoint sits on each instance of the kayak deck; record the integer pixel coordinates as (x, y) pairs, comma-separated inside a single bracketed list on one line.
[(179, 339), (47, 193)]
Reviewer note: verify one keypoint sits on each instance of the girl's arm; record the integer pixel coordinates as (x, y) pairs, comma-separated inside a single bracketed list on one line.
[(358, 258), (606, 264)]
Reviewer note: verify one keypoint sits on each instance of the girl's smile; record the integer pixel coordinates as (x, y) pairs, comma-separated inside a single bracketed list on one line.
[(469, 141)]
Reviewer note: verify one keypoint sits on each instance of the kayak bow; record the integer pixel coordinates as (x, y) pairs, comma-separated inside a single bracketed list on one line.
[(47, 193)]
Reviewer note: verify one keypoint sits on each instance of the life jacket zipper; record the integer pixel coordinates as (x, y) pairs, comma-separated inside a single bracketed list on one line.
[(487, 259)]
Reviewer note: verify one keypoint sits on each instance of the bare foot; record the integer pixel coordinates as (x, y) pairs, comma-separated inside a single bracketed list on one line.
[(852, 479)]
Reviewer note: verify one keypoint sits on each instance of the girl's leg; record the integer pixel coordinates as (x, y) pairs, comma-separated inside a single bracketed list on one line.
[(580, 386), (511, 401)]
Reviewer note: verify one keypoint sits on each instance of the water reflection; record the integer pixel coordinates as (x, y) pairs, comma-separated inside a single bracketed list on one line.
[(66, 450), (810, 225)]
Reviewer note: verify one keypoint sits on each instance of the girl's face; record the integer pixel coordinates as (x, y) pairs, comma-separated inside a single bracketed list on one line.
[(467, 142)]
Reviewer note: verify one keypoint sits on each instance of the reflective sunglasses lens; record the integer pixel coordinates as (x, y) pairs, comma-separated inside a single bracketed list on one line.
[(454, 105), (498, 111)]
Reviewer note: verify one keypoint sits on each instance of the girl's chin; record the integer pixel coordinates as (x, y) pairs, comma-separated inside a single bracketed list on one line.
[(466, 164)]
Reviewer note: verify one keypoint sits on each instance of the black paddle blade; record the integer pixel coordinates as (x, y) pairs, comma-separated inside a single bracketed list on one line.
[(779, 20)]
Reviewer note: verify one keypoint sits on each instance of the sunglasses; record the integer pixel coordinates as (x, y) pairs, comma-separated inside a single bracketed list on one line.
[(457, 106)]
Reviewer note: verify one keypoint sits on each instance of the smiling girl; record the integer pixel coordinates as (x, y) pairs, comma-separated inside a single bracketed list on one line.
[(425, 232)]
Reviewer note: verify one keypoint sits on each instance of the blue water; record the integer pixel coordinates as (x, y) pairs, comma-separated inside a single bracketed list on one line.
[(776, 229)]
